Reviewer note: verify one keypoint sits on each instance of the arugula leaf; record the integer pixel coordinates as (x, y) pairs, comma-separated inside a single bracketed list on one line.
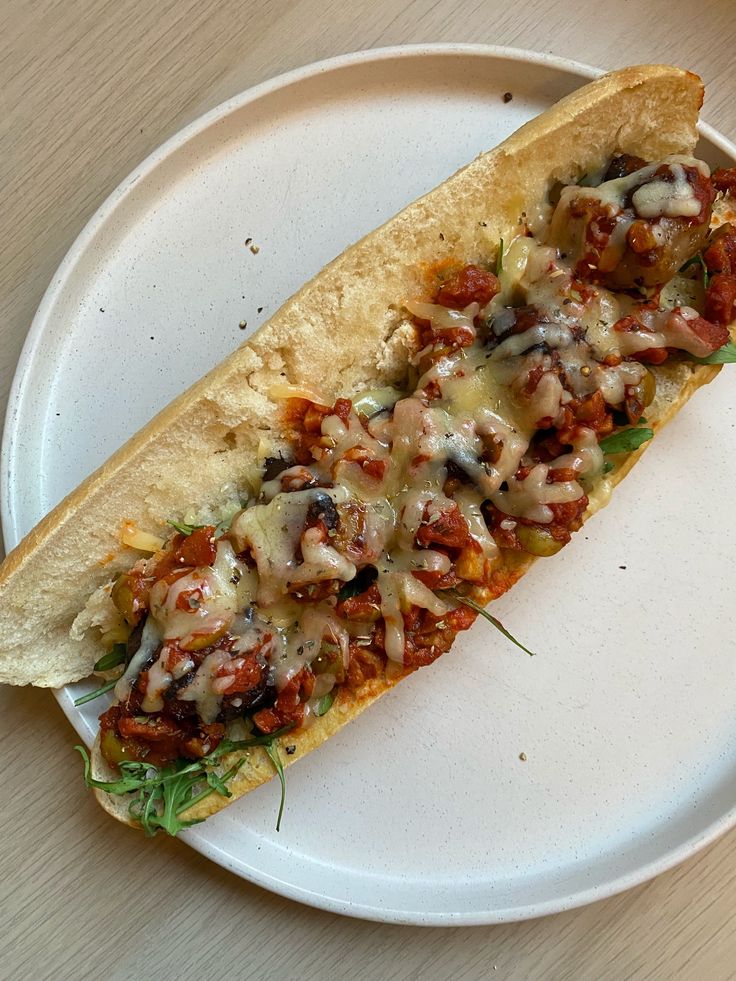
[(183, 528), (176, 793), (499, 259), (724, 355), (212, 779), (218, 783), (273, 753), (698, 257), (160, 794), (96, 693), (607, 467), (134, 776), (112, 658), (626, 441), (164, 793), (466, 601), (230, 746), (325, 703)]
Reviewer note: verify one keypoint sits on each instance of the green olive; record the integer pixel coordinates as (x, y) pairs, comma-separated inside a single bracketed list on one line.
[(329, 661), (537, 541), (376, 400), (115, 750), (197, 642), (124, 599), (648, 386)]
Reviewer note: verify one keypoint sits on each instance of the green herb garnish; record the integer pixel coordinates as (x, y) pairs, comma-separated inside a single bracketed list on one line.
[(325, 703), (184, 528), (96, 693), (499, 259), (698, 257), (466, 601), (607, 467), (626, 441), (273, 752), (724, 355), (162, 794), (112, 659)]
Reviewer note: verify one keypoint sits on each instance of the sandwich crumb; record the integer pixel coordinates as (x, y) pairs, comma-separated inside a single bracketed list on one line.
[(507, 97), (522, 757)]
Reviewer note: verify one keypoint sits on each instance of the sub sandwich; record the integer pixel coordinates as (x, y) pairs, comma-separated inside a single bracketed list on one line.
[(446, 402)]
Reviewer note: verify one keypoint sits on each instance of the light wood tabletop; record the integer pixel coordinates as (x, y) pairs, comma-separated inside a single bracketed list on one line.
[(87, 90)]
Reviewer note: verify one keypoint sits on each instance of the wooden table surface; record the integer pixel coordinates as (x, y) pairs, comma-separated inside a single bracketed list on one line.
[(87, 90)]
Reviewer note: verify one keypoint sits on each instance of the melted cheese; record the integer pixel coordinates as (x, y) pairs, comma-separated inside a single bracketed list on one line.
[(273, 532), (473, 413), (659, 199), (300, 645), (150, 641), (586, 457), (159, 680), (399, 591), (529, 498), (672, 199), (442, 318), (468, 502), (652, 196), (202, 689), (204, 601)]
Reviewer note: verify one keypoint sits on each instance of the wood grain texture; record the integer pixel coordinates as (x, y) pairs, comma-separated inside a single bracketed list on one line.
[(86, 91)]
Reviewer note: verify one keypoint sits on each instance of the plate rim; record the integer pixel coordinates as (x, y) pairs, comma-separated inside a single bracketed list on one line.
[(10, 530)]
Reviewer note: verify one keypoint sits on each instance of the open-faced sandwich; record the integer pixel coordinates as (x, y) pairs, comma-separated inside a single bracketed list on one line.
[(447, 401)]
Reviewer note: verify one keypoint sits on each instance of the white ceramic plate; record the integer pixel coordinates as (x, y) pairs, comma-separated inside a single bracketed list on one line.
[(421, 811)]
